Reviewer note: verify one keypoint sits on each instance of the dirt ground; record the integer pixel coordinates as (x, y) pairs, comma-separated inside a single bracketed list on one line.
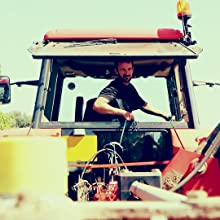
[(43, 207)]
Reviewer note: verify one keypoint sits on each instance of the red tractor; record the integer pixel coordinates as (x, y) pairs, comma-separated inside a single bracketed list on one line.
[(106, 157)]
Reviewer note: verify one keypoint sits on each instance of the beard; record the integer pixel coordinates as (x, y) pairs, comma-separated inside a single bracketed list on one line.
[(126, 78)]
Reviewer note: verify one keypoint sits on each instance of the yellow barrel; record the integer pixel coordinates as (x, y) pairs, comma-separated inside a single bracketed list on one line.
[(35, 164)]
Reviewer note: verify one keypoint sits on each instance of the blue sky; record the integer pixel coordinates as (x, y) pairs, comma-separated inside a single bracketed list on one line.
[(25, 21)]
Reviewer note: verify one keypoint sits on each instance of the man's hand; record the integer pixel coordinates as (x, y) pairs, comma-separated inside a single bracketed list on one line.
[(128, 116), (169, 118)]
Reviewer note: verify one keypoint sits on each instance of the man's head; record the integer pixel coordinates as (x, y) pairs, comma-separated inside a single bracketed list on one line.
[(124, 69)]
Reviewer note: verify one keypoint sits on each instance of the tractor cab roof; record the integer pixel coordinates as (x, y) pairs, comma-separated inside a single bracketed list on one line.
[(155, 43), (93, 52)]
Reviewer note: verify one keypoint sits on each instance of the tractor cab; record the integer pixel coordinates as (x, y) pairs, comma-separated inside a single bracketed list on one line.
[(77, 65)]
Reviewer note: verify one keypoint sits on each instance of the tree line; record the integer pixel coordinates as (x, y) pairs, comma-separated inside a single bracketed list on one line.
[(14, 119)]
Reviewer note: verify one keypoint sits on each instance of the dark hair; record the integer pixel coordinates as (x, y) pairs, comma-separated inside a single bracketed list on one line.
[(123, 60)]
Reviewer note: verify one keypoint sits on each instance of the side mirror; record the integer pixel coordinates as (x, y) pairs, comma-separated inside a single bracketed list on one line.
[(5, 90)]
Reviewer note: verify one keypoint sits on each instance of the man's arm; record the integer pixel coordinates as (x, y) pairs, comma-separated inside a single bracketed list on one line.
[(102, 106), (153, 111)]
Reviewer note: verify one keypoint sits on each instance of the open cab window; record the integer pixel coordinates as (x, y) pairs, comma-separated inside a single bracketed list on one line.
[(152, 89), (74, 81)]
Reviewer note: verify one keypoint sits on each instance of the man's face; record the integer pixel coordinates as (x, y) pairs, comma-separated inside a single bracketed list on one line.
[(125, 71)]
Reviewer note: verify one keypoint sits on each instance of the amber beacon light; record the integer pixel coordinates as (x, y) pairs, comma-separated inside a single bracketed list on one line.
[(183, 10), (184, 14)]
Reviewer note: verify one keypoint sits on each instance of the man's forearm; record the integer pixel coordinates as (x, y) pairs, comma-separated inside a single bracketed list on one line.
[(105, 108), (102, 107), (153, 111)]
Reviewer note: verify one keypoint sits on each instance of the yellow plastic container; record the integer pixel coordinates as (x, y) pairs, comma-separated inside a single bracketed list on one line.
[(81, 148), (35, 164)]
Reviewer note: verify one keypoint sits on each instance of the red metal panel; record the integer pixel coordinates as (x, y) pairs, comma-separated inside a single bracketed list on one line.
[(179, 166), (183, 163), (207, 180)]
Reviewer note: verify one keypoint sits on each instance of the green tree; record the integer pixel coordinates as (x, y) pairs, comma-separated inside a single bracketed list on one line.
[(14, 120), (21, 119), (6, 121)]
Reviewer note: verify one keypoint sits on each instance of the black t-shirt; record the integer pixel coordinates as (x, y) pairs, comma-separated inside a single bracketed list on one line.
[(126, 95)]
